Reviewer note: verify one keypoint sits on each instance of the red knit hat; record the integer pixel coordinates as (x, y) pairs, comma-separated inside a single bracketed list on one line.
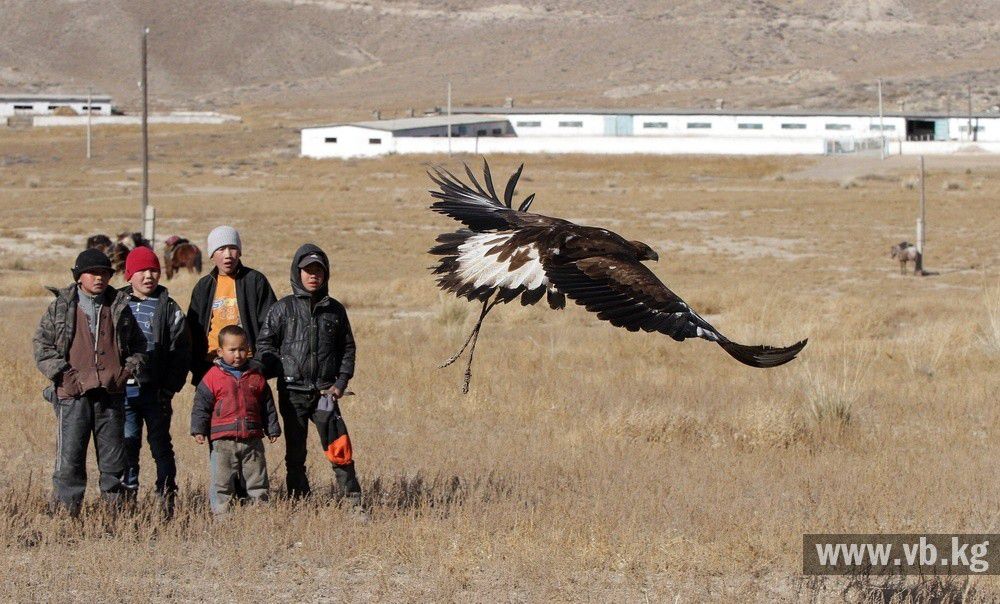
[(140, 259)]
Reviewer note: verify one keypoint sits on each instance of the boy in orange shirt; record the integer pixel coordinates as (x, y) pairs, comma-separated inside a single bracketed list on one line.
[(231, 294)]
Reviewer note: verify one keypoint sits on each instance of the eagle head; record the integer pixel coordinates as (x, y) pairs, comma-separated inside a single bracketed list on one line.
[(643, 251)]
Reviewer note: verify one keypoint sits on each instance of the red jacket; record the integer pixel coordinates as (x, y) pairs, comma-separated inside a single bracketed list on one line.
[(238, 408)]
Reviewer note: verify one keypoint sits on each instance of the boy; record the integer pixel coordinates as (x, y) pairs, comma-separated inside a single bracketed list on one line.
[(233, 408), (306, 340), (231, 294), (149, 400), (88, 344)]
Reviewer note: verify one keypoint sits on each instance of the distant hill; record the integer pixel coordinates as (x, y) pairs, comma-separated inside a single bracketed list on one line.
[(348, 57)]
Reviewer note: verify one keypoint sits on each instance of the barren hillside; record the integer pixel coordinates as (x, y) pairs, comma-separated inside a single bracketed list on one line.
[(348, 57)]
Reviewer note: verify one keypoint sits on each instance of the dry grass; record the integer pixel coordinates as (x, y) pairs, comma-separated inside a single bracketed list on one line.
[(586, 463), (990, 327), (831, 392)]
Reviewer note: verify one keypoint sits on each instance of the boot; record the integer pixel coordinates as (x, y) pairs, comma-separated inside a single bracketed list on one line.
[(353, 503), (165, 502)]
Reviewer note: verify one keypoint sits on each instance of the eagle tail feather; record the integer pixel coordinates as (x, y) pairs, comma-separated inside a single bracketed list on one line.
[(762, 356)]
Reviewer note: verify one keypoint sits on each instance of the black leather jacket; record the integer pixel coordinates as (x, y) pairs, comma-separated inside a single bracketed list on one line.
[(306, 339)]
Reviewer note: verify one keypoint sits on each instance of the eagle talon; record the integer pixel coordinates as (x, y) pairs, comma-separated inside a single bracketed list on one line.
[(448, 362)]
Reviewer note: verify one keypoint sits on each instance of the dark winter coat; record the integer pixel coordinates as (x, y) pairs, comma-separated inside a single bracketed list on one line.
[(170, 359), (229, 407), (54, 336), (306, 339), (254, 297)]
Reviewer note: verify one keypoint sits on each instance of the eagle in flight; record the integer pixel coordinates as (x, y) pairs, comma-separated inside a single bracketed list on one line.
[(507, 253)]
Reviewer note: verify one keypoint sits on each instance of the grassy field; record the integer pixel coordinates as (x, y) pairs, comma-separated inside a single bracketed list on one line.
[(586, 463)]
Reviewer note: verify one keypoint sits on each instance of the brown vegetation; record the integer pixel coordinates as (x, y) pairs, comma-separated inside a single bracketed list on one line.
[(587, 463)]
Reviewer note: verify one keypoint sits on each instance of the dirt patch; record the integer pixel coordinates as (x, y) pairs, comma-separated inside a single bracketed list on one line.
[(844, 168), (34, 243), (743, 248)]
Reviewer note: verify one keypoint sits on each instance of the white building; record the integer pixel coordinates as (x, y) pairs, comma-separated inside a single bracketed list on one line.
[(379, 137), (48, 104), (518, 130), (911, 126)]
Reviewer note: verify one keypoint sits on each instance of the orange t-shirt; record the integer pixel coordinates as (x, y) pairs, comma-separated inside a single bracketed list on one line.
[(225, 311)]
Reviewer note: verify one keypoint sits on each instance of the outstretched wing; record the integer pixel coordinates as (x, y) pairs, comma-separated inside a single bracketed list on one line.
[(476, 206), (627, 294)]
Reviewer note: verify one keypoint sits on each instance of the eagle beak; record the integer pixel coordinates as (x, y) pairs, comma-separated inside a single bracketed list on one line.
[(652, 255)]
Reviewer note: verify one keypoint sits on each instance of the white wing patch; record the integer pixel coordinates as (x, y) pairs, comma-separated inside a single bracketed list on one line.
[(478, 268), (707, 334)]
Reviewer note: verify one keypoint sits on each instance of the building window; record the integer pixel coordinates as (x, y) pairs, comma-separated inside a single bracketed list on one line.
[(374, 141), (887, 127), (330, 139), (571, 124), (53, 107), (529, 124), (793, 126), (974, 128), (24, 107), (481, 132), (838, 126), (693, 125), (654, 125), (497, 132), (751, 126)]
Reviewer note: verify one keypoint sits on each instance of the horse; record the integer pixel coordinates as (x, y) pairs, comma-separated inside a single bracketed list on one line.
[(116, 251), (126, 243), (905, 252), (180, 253), (99, 242), (133, 240)]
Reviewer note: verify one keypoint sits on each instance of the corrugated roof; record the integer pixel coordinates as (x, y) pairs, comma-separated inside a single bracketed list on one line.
[(409, 123), (97, 98), (733, 112)]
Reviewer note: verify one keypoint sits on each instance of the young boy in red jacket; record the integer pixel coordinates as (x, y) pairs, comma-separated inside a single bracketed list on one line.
[(233, 409)]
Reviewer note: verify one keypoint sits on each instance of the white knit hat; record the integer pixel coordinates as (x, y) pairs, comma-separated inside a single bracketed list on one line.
[(222, 236)]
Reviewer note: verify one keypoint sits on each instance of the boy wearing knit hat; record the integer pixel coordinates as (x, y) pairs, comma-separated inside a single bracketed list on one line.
[(88, 344), (231, 294), (148, 400)]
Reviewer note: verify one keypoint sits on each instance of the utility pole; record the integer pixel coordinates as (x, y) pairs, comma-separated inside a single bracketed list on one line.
[(881, 120), (145, 133), (919, 268), (449, 119), (90, 110), (970, 110)]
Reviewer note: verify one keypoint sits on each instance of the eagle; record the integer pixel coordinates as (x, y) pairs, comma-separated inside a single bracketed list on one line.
[(506, 253)]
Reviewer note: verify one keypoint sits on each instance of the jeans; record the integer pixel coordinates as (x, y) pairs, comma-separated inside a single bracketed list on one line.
[(95, 413), (145, 407), (297, 410)]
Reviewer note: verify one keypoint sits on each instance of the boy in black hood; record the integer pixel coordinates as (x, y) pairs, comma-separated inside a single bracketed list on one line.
[(306, 341)]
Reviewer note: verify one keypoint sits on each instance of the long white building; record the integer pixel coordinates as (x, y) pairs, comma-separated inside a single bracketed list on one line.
[(49, 104), (380, 137), (507, 130)]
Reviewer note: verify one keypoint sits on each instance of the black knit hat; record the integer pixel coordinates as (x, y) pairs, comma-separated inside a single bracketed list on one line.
[(90, 260)]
